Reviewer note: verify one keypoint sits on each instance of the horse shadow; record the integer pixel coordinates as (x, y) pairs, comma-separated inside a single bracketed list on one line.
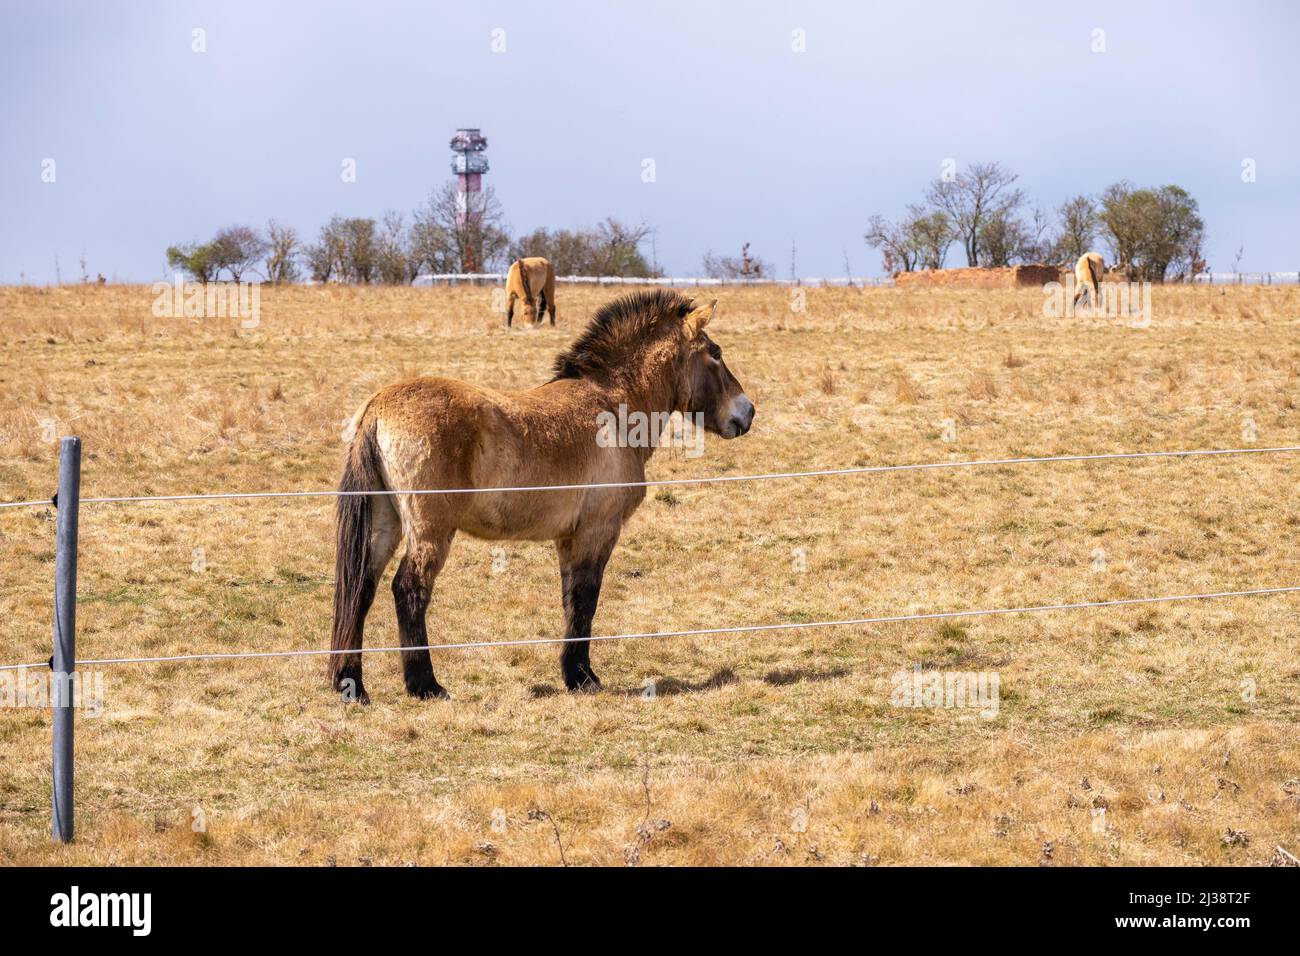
[(796, 675), (724, 677), (669, 686), (659, 687)]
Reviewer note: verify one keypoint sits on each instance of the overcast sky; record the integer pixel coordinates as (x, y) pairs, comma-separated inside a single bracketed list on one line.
[(751, 140)]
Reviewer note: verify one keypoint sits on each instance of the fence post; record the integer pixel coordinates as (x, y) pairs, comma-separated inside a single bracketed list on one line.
[(64, 661)]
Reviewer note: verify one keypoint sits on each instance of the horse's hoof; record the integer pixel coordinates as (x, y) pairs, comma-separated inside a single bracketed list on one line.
[(584, 682), (430, 691), (352, 691)]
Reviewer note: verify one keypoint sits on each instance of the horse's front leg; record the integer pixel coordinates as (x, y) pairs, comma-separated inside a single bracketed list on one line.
[(582, 568)]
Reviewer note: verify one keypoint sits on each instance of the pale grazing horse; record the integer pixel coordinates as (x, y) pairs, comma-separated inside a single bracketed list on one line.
[(533, 280), (646, 353), (1089, 272)]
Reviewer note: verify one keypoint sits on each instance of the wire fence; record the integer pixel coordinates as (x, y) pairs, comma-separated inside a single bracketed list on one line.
[(863, 282), (63, 662), (703, 480), (1246, 278), (658, 482), (482, 278), (696, 632)]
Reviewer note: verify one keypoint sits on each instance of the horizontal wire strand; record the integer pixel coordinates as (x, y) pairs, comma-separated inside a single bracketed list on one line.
[(705, 480), (685, 481), (741, 629)]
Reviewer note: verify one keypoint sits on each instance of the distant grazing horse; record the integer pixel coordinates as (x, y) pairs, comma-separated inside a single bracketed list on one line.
[(647, 352), (1089, 272), (526, 278)]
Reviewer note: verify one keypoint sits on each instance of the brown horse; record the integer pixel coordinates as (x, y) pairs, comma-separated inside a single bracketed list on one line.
[(645, 353), (532, 280)]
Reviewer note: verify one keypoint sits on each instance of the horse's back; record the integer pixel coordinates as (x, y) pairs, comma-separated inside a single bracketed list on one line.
[(539, 271), (444, 433)]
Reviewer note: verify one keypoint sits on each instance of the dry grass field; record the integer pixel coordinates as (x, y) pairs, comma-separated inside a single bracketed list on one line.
[(1161, 734)]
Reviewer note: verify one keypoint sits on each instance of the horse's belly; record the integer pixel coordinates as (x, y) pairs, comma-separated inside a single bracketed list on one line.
[(545, 515), (522, 516)]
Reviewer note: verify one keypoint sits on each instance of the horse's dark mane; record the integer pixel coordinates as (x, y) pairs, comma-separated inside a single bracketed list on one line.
[(616, 329), (523, 280)]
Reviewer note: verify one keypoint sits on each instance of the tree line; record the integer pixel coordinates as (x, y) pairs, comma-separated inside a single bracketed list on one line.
[(443, 235), (1153, 233)]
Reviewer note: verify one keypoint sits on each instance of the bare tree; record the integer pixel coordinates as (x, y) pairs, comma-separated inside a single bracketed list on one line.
[(920, 240), (572, 252), (982, 192), (745, 266), (1006, 239), (898, 252), (474, 234), (283, 248), (395, 263), (361, 251), (237, 249), (1000, 239), (618, 245), (430, 246), (931, 235), (612, 248), (1078, 229), (326, 256), (1038, 246)]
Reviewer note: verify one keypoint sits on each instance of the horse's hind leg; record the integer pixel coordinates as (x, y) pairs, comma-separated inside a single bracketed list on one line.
[(582, 568), (1085, 291), (345, 669), (412, 589)]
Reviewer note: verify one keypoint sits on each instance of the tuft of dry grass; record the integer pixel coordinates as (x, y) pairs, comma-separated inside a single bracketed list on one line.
[(983, 386), (906, 391), (1176, 722)]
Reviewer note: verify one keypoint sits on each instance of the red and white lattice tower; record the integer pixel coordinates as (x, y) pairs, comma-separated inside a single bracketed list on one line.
[(469, 164)]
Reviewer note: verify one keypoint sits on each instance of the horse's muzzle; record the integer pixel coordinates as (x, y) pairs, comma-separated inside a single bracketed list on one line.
[(742, 416)]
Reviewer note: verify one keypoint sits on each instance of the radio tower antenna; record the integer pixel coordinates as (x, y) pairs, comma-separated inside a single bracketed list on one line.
[(469, 164)]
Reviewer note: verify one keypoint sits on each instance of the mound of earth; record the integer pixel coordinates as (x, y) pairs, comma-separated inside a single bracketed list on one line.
[(1007, 277)]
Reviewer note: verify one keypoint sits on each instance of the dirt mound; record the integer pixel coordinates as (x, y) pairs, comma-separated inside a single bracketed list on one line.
[(1007, 277)]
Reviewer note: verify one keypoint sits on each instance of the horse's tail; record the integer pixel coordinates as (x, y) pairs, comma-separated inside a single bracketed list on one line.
[(362, 471), (1097, 269)]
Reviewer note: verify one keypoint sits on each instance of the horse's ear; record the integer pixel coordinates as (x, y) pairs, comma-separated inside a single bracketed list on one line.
[(698, 319)]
